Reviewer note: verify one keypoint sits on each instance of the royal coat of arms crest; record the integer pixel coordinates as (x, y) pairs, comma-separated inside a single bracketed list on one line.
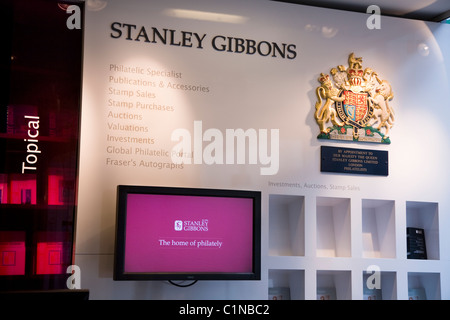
[(353, 104)]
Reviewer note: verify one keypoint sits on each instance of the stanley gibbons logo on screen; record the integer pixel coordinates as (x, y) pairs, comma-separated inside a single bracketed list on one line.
[(189, 225)]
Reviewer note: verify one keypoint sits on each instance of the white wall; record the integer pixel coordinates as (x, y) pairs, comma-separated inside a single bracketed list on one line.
[(251, 91)]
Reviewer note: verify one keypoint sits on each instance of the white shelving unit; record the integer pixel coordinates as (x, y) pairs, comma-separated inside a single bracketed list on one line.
[(327, 245)]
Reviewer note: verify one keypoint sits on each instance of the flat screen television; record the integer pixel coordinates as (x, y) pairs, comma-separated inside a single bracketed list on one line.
[(171, 233)]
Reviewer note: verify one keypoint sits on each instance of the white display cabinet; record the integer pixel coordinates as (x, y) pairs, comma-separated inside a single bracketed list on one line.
[(323, 247), (286, 225), (425, 215), (378, 229), (333, 227)]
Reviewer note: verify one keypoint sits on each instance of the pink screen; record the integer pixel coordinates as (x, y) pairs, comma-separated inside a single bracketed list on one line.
[(189, 234)]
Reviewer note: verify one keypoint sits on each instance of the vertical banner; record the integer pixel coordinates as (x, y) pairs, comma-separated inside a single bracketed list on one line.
[(39, 137)]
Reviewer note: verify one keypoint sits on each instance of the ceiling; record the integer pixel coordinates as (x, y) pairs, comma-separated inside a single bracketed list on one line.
[(427, 10)]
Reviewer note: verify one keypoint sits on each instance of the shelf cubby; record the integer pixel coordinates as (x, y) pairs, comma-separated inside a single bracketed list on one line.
[(386, 289), (292, 281), (425, 215), (333, 227), (334, 285), (286, 225), (378, 228), (424, 286)]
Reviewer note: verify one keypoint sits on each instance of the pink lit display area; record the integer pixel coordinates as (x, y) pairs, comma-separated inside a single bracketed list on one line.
[(52, 252), (12, 253), (3, 188), (61, 187), (23, 189)]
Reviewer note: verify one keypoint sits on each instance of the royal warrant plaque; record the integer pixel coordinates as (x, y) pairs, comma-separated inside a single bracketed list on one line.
[(353, 161)]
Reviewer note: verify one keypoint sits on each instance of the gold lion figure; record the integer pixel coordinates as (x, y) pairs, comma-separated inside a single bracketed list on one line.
[(325, 112)]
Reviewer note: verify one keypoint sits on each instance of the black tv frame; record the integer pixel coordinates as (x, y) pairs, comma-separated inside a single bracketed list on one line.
[(119, 250)]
